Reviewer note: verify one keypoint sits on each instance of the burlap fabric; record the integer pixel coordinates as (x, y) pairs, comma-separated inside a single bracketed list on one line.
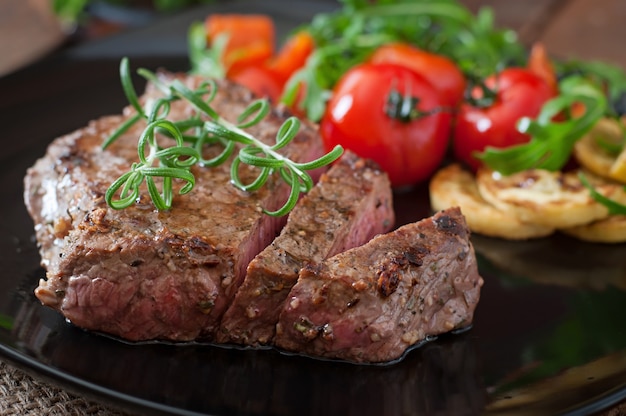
[(21, 394)]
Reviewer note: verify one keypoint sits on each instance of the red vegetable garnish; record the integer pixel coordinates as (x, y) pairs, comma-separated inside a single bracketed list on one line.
[(518, 93), (392, 115), (540, 64), (292, 56), (440, 71), (250, 39)]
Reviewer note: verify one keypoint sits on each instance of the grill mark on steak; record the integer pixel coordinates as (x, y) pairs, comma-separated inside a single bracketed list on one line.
[(371, 303), (139, 273), (351, 203)]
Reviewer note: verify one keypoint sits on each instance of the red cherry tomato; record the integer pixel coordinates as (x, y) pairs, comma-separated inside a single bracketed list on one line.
[(260, 81), (519, 93), (440, 71), (407, 138)]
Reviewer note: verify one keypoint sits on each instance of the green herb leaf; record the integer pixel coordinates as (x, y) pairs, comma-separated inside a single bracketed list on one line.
[(204, 60), (615, 208), (347, 37), (162, 164), (551, 141), (609, 77)]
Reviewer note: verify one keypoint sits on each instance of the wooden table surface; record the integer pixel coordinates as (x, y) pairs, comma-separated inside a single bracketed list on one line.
[(589, 29)]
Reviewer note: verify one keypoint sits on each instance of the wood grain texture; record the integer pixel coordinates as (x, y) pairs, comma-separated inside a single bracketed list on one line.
[(589, 29), (28, 31), (528, 18)]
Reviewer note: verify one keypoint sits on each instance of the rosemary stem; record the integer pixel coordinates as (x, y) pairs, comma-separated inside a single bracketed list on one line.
[(251, 140), (204, 127)]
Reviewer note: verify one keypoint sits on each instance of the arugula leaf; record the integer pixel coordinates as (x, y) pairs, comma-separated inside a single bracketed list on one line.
[(551, 141), (69, 10), (610, 77), (204, 60), (615, 208), (347, 37)]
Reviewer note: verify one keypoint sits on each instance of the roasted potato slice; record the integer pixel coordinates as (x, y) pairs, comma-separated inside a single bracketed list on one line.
[(551, 199), (455, 186), (618, 169), (595, 158), (609, 230)]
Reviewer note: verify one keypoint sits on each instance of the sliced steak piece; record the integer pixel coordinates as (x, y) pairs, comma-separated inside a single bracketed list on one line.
[(350, 204), (371, 303), (139, 273)]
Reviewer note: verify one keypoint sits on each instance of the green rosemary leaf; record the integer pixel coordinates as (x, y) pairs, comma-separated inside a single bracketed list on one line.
[(253, 114), (286, 133), (178, 157), (325, 160), (159, 110), (255, 185), (152, 78), (193, 98), (166, 162), (290, 203), (128, 182), (224, 132), (184, 125), (148, 140), (248, 155), (123, 128), (229, 148), (296, 178), (127, 85), (162, 201)]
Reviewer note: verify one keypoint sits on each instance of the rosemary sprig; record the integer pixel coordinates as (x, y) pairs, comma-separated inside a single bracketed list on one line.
[(204, 127)]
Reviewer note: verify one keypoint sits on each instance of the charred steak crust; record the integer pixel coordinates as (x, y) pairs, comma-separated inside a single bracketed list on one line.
[(371, 303), (139, 273), (350, 204)]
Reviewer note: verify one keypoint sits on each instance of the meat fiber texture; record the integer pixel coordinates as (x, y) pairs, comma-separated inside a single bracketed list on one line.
[(140, 273), (350, 204), (371, 303)]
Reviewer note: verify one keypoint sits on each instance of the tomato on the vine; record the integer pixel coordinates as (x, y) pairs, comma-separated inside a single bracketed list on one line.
[(392, 115), (518, 93), (440, 71)]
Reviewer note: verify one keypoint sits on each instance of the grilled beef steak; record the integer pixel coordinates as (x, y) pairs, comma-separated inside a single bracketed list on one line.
[(350, 204), (139, 273), (144, 274), (371, 303)]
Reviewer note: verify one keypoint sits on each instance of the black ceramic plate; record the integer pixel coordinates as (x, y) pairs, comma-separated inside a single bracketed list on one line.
[(549, 334)]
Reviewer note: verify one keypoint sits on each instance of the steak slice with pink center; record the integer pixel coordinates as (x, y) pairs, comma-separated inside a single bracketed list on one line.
[(140, 273), (371, 303), (351, 203)]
